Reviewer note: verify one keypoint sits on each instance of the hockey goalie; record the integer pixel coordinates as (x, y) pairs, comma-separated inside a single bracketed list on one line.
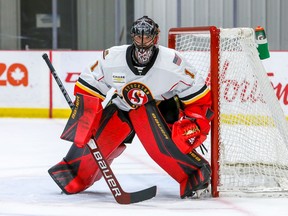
[(158, 95)]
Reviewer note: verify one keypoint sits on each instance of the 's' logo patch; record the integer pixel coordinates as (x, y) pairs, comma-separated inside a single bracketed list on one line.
[(136, 94)]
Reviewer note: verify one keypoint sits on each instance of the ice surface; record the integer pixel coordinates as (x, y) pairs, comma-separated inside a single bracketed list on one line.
[(29, 147)]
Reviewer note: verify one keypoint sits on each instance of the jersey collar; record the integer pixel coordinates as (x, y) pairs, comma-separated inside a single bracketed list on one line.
[(129, 53)]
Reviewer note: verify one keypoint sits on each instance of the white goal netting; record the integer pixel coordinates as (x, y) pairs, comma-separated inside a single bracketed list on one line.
[(253, 140)]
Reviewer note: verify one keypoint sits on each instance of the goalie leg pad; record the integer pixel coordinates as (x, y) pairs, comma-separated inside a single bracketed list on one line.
[(198, 179), (155, 136), (78, 170), (73, 174)]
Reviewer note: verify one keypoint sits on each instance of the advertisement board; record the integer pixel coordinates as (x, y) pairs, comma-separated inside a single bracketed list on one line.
[(28, 89)]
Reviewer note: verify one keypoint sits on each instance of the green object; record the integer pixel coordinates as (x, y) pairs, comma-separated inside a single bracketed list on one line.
[(262, 42), (263, 51)]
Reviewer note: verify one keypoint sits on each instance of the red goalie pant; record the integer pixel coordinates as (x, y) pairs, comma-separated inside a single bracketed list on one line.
[(191, 171), (78, 170)]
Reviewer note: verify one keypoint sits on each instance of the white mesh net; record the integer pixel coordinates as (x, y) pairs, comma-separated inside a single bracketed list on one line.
[(253, 142)]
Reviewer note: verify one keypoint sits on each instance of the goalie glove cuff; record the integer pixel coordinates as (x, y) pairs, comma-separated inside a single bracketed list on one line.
[(202, 118)]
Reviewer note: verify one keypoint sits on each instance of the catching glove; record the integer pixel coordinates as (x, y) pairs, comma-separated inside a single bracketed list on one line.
[(191, 131)]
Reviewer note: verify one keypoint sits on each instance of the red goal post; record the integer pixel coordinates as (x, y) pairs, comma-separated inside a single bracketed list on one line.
[(214, 32), (249, 149)]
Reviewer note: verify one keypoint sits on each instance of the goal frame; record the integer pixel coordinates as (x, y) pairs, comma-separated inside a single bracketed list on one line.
[(214, 69)]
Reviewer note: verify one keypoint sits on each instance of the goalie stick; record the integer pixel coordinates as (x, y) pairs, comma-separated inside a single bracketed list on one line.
[(120, 196)]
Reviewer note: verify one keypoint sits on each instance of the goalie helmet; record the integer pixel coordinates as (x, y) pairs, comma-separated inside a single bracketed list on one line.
[(145, 35)]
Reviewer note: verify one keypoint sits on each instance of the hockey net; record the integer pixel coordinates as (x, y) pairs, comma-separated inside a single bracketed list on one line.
[(249, 141)]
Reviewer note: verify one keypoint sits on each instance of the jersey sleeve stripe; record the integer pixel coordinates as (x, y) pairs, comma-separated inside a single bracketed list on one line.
[(90, 89), (196, 96)]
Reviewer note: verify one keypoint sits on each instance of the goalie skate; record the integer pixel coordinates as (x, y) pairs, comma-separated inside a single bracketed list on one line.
[(202, 192)]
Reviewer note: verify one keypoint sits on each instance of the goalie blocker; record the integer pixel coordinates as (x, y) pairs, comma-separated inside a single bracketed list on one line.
[(78, 170)]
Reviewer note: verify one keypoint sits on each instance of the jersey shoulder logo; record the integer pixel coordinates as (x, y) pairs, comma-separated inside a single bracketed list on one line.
[(136, 94)]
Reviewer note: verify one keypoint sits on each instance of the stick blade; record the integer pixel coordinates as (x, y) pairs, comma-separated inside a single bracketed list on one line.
[(139, 196)]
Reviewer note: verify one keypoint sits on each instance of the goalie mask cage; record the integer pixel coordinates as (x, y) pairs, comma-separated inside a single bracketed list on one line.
[(249, 132)]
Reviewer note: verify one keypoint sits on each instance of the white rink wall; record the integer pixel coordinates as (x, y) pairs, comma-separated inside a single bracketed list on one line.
[(28, 90)]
